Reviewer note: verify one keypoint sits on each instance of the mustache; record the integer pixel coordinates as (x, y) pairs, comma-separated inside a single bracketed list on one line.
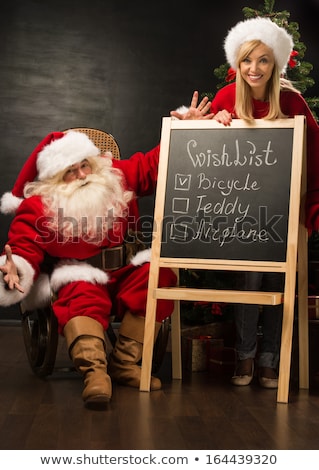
[(76, 185)]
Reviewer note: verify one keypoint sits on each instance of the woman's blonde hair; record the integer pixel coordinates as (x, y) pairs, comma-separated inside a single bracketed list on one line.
[(243, 102)]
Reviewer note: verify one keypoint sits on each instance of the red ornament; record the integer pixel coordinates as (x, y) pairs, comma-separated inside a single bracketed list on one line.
[(231, 75), (292, 62)]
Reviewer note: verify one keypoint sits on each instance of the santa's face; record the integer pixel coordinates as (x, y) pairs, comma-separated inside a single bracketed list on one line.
[(77, 171), (87, 202)]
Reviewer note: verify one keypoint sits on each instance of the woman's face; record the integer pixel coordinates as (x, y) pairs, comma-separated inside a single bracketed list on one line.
[(256, 69)]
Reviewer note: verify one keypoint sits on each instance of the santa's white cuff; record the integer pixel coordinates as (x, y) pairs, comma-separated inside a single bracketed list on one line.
[(181, 110), (73, 270), (26, 275), (141, 257)]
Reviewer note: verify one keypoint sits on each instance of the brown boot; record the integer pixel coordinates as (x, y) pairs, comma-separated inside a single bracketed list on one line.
[(86, 343), (127, 353)]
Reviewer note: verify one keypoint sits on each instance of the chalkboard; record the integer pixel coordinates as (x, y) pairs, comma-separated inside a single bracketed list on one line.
[(227, 193), (231, 199)]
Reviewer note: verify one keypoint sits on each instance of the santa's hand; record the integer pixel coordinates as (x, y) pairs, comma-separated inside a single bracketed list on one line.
[(195, 111), (10, 272)]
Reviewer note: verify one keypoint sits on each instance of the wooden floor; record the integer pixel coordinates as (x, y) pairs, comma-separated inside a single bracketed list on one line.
[(199, 412)]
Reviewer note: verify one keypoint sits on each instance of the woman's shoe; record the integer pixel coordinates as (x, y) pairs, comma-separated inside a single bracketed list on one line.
[(244, 372), (268, 377)]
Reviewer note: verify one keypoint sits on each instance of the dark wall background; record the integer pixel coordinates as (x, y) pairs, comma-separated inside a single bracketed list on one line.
[(117, 66)]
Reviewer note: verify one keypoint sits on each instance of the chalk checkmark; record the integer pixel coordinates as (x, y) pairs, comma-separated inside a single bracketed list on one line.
[(182, 182)]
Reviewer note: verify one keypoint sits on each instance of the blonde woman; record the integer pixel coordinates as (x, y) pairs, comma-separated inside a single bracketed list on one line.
[(258, 50)]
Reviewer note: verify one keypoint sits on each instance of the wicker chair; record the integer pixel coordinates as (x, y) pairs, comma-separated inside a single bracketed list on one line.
[(39, 326)]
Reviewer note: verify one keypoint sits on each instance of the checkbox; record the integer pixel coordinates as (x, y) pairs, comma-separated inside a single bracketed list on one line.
[(182, 182), (179, 232), (180, 205)]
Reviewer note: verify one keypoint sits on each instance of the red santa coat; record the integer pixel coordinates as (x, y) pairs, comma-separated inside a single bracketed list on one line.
[(81, 288), (292, 104)]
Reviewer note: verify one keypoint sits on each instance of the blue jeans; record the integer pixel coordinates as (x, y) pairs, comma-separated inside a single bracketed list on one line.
[(247, 319)]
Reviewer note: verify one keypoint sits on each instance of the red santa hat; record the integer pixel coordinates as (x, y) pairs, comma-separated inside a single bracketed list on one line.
[(266, 31), (56, 152)]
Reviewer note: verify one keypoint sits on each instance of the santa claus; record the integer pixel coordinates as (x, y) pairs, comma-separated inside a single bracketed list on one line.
[(76, 206)]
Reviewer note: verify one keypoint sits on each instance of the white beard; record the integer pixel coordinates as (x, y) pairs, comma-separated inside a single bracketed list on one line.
[(88, 208)]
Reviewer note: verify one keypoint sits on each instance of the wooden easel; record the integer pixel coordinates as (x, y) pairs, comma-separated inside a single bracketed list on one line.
[(296, 245)]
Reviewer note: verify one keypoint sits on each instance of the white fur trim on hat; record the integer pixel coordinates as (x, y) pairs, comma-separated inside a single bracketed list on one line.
[(141, 257), (9, 203), (265, 30), (68, 271), (62, 153), (26, 275)]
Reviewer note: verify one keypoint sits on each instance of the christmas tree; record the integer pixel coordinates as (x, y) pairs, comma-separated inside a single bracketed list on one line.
[(298, 70)]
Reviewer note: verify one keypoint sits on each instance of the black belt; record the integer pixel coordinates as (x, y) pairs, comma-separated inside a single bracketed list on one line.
[(109, 259)]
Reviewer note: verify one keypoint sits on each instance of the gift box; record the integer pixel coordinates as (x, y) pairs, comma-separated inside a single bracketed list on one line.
[(224, 330), (195, 351), (222, 360)]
